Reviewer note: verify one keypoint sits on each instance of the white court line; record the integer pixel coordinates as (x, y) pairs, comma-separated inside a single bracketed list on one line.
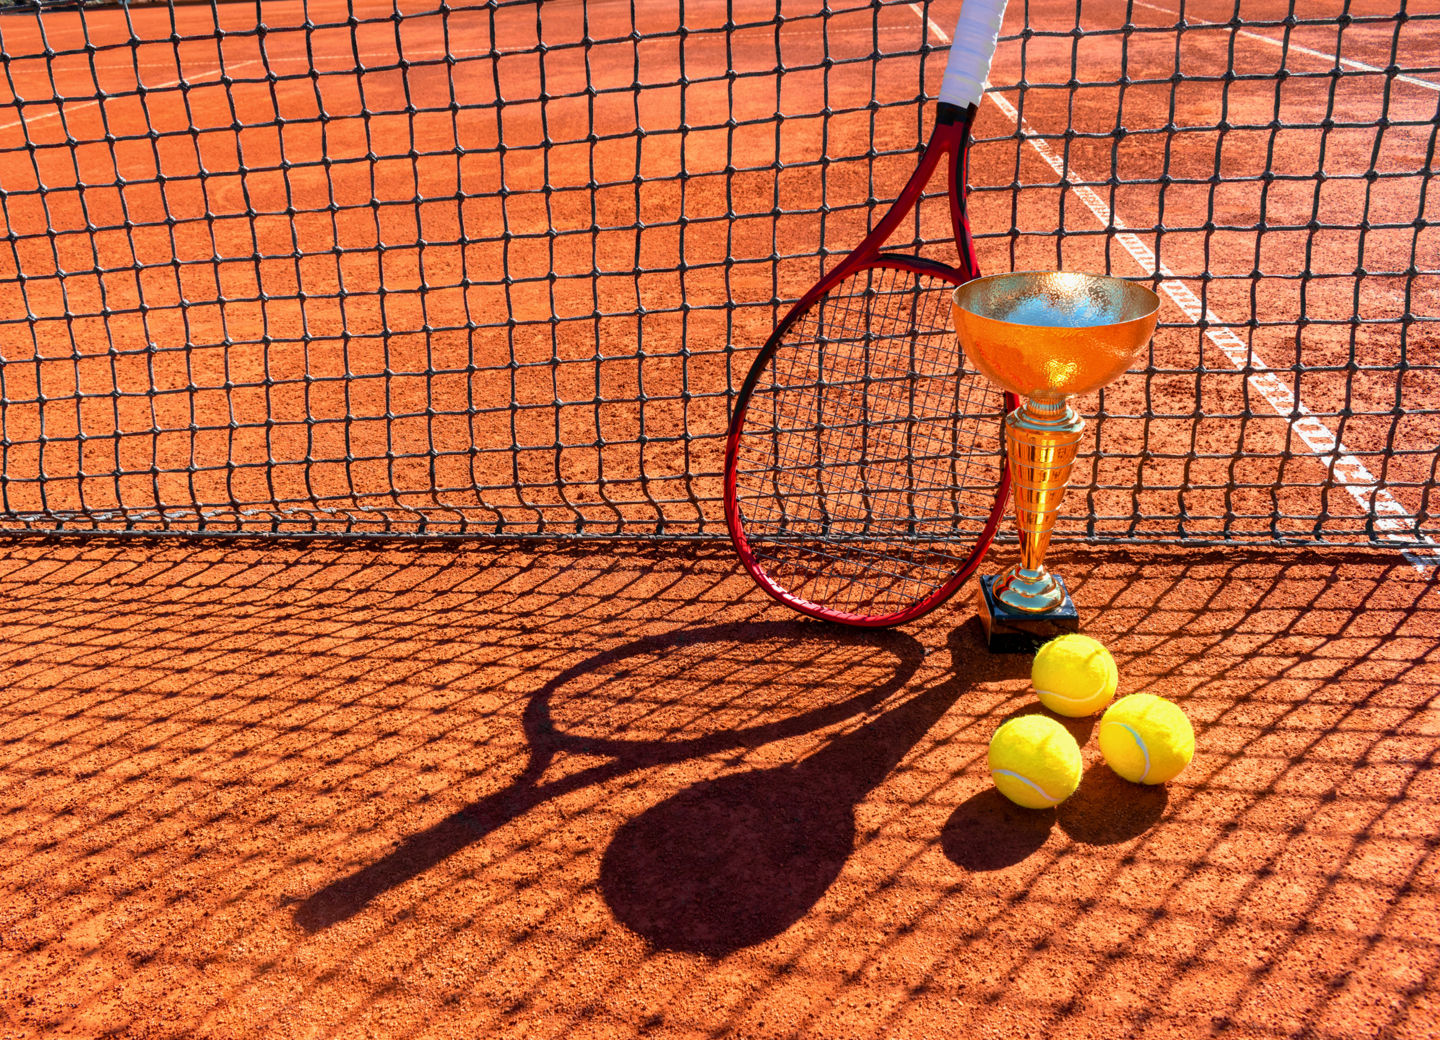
[(303, 60), (64, 105), (274, 61), (1349, 471), (1292, 46), (434, 55)]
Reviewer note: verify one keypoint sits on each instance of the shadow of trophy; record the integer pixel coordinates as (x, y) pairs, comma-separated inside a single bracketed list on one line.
[(1046, 336)]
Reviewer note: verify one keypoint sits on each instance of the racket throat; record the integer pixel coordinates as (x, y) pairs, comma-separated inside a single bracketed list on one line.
[(959, 120), (947, 114)]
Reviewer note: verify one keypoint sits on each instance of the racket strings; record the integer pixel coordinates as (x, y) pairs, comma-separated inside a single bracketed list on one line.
[(870, 461)]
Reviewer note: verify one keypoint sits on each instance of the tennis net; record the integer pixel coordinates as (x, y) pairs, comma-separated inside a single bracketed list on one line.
[(419, 268)]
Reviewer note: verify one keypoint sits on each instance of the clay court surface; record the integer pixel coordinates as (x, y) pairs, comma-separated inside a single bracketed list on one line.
[(258, 790)]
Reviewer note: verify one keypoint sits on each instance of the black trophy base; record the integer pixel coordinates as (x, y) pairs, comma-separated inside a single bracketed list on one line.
[(1012, 632)]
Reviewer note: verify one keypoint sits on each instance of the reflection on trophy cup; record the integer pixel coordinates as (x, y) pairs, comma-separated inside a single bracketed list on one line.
[(1047, 336)]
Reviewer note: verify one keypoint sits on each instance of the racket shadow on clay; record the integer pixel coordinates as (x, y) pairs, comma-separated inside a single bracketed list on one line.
[(734, 861), (651, 702)]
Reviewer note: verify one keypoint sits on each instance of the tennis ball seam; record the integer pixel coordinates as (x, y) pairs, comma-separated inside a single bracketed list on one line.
[(1074, 698), (1138, 743), (1027, 782)]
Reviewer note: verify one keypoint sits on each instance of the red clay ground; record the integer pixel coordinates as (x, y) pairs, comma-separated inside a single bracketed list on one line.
[(291, 791)]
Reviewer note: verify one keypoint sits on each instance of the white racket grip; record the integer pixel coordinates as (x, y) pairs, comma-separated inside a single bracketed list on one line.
[(971, 51)]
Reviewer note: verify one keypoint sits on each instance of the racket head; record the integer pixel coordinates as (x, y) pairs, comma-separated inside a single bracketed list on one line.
[(865, 470)]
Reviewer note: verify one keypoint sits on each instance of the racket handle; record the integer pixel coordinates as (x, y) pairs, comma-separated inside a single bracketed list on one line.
[(971, 51)]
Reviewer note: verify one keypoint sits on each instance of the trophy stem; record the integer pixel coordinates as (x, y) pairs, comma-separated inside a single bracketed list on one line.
[(1041, 439)]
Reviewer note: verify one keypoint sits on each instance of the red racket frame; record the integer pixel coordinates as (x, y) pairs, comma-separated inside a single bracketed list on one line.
[(950, 140)]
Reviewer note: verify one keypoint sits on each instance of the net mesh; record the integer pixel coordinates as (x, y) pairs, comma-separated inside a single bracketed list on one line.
[(500, 269)]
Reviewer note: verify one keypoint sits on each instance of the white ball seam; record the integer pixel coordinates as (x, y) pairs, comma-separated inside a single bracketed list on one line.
[(1063, 697), (1027, 782), (1138, 743)]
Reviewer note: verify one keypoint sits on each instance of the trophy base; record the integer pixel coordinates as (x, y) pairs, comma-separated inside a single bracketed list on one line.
[(1012, 632)]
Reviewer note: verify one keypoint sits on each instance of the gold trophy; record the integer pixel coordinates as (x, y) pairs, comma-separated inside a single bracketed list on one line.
[(1047, 336)]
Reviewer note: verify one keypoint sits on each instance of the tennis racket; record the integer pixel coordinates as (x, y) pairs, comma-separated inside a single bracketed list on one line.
[(865, 470)]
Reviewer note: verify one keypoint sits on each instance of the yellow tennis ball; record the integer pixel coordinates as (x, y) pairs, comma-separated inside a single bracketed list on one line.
[(1034, 761), (1074, 675), (1146, 739)]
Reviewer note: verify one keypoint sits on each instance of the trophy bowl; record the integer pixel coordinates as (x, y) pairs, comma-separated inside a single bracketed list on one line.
[(1047, 336), (1050, 334)]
